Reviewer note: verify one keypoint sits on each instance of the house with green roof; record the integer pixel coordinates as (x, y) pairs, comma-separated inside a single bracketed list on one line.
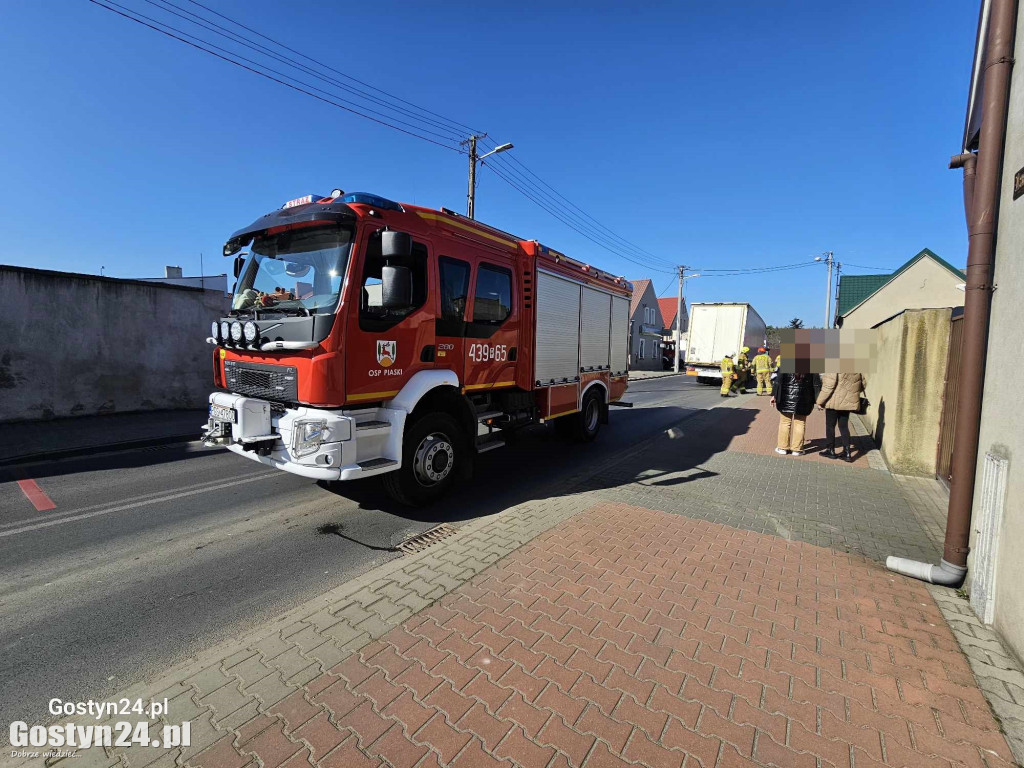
[(925, 282)]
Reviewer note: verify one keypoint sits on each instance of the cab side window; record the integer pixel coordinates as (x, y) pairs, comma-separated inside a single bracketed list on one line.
[(454, 277), (372, 314), (492, 301)]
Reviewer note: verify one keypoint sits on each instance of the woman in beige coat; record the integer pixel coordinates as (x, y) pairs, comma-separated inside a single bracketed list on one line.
[(840, 394)]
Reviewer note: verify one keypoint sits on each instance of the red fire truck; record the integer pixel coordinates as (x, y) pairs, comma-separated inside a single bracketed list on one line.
[(369, 337)]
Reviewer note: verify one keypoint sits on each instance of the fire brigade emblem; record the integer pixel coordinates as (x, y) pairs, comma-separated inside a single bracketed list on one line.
[(387, 353)]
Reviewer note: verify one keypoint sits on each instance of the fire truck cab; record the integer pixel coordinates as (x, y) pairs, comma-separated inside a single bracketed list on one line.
[(371, 337)]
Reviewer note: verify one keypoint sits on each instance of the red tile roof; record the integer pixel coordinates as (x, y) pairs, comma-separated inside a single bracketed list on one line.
[(668, 310), (639, 286)]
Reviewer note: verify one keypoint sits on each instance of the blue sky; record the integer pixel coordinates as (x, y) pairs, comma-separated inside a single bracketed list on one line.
[(720, 135)]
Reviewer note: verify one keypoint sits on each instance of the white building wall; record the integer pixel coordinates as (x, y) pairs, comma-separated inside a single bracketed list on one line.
[(1002, 418)]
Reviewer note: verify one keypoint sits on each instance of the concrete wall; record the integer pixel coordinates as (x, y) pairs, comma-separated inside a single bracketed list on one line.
[(1002, 416), (905, 389), (926, 284), (75, 345)]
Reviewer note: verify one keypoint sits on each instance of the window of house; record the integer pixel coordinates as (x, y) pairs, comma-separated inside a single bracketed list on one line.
[(640, 355), (492, 302)]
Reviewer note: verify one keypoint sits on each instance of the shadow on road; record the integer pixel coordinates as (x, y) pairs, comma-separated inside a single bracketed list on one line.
[(539, 465), (112, 460)]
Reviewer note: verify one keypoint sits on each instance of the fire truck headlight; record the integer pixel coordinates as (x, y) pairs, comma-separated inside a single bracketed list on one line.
[(225, 331), (308, 435), (214, 329), (236, 332), (250, 331)]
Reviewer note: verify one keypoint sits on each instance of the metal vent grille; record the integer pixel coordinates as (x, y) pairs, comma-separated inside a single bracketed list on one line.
[(421, 541), (270, 382), (989, 523)]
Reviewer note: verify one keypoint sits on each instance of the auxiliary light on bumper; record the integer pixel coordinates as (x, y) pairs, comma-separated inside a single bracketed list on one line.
[(308, 435)]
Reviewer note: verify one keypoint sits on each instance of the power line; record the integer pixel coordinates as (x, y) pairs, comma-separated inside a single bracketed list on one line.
[(218, 29), (181, 36), (584, 214), (538, 197), (569, 224), (516, 180), (332, 69), (755, 270), (861, 266), (574, 217)]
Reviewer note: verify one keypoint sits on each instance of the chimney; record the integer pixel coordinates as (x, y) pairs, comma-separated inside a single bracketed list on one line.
[(172, 271)]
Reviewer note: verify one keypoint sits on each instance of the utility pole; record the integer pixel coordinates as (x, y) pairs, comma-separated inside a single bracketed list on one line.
[(679, 317), (470, 197), (474, 158), (828, 291)]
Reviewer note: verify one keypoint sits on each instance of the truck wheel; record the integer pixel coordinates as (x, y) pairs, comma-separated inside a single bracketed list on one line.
[(433, 451), (587, 422)]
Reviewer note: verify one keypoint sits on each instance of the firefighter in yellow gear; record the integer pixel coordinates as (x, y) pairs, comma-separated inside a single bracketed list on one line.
[(763, 371), (728, 374), (742, 371), (778, 362)]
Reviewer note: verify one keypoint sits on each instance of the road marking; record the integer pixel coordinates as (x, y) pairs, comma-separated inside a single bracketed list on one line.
[(36, 495), (123, 507), (143, 497)]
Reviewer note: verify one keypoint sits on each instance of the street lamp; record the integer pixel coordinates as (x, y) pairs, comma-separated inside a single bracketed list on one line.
[(827, 258), (473, 160)]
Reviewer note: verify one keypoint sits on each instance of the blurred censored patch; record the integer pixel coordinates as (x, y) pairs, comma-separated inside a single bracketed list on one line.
[(828, 350)]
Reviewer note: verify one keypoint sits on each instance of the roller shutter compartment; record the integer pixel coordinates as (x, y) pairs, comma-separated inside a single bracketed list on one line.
[(595, 324), (558, 330)]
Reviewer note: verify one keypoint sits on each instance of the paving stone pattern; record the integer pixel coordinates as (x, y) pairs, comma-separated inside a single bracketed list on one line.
[(634, 636), (696, 473), (280, 694), (999, 673)]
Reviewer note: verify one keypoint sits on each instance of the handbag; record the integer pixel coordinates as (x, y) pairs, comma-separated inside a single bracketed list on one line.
[(862, 407)]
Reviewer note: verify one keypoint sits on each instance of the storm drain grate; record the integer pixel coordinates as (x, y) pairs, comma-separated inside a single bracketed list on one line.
[(421, 541)]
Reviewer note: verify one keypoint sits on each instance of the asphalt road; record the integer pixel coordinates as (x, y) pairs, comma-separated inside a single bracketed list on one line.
[(150, 556)]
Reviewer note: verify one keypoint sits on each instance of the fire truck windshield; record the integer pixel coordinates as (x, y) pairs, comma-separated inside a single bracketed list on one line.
[(294, 272)]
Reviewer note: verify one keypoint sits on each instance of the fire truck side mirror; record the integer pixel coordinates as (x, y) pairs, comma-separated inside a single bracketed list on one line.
[(239, 261), (395, 245), (396, 287)]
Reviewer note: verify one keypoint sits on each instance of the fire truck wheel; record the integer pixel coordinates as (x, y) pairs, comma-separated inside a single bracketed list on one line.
[(588, 420), (432, 453)]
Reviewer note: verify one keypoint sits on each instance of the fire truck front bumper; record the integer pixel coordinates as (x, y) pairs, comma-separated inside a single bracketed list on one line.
[(310, 442)]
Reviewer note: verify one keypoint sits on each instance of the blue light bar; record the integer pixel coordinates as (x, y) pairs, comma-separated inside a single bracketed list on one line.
[(375, 200)]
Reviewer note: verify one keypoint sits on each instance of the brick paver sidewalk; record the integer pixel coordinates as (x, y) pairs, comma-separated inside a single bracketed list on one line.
[(698, 601), (631, 636)]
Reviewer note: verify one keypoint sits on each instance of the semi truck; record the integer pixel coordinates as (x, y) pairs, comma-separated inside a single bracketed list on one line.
[(370, 337), (720, 329)]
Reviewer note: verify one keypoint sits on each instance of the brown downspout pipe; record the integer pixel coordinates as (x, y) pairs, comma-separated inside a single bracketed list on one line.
[(969, 162), (980, 257), (981, 223)]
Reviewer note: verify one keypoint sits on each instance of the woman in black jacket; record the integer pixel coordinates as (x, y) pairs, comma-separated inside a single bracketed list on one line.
[(793, 395)]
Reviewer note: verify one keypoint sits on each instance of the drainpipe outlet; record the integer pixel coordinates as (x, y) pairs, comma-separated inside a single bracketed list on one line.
[(944, 574)]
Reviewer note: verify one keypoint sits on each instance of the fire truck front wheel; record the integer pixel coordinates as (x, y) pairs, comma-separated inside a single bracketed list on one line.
[(433, 451)]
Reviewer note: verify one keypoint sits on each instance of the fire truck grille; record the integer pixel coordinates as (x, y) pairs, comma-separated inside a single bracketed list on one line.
[(270, 382)]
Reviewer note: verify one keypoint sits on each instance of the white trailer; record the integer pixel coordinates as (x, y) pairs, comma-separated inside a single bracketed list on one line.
[(717, 330)]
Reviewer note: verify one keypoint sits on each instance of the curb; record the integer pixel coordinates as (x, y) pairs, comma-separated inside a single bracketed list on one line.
[(658, 376)]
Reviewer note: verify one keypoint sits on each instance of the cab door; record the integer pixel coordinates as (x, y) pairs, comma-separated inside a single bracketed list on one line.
[(385, 348), (492, 328), (453, 281)]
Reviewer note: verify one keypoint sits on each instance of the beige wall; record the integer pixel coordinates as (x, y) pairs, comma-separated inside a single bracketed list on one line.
[(927, 284), (905, 389), (1002, 418), (77, 345)]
